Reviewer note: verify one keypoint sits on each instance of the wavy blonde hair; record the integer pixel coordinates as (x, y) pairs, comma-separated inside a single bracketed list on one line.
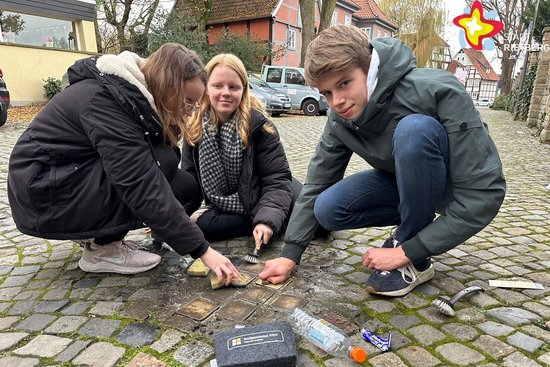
[(243, 113), (166, 71)]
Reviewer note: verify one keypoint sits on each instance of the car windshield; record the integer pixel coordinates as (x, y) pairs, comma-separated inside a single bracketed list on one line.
[(259, 82)]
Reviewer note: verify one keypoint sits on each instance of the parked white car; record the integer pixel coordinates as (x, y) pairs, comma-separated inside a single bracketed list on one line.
[(291, 80), (482, 103)]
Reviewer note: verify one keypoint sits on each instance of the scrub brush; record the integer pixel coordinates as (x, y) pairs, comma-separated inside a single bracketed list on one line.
[(445, 306), (252, 256)]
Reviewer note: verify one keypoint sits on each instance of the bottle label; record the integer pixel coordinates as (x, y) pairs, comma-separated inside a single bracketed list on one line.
[(245, 340), (322, 334)]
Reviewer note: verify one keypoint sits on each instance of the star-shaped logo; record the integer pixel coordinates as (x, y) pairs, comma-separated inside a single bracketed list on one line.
[(477, 27)]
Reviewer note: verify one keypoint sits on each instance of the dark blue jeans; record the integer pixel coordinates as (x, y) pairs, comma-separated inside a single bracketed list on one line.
[(408, 198)]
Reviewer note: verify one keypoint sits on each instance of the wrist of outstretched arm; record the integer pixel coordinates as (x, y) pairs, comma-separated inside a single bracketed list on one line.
[(199, 250), (293, 252), (416, 250)]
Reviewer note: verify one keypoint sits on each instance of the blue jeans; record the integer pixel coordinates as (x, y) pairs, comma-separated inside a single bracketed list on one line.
[(408, 198)]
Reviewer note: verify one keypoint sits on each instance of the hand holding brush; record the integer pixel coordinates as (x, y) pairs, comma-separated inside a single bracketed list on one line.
[(262, 234)]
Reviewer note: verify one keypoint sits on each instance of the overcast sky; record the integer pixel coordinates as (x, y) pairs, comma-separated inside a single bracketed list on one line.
[(454, 8)]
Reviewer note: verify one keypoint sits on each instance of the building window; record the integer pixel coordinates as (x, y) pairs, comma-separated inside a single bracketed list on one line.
[(37, 31), (367, 31), (291, 39), (378, 33), (386, 34), (334, 20), (347, 19)]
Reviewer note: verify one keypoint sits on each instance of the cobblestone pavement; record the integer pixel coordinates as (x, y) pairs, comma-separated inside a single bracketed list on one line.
[(53, 314)]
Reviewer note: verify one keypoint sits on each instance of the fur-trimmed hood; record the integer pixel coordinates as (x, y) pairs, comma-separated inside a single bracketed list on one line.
[(127, 65), (121, 75)]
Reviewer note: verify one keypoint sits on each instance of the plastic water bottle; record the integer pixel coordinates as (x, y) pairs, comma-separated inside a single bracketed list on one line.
[(326, 336)]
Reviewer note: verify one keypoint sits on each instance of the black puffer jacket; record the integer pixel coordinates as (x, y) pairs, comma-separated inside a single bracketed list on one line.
[(265, 180), (86, 165)]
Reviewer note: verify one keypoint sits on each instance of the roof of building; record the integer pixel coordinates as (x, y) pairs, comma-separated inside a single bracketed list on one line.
[(369, 10), (224, 11), (453, 66), (349, 3), (481, 64)]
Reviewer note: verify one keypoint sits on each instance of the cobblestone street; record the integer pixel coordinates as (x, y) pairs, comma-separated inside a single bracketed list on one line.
[(54, 314)]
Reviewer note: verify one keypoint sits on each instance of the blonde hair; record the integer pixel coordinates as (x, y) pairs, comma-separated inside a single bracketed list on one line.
[(243, 113), (166, 71), (336, 49)]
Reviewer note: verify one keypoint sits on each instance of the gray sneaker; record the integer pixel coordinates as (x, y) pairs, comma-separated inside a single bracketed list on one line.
[(122, 257)]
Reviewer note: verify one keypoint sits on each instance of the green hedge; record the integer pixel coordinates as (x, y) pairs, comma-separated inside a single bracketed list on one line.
[(500, 102)]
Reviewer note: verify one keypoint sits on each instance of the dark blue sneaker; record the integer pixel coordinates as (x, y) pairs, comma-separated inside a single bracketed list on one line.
[(392, 242), (399, 282)]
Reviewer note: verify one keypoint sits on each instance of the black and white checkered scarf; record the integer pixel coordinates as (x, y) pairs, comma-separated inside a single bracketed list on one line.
[(220, 162)]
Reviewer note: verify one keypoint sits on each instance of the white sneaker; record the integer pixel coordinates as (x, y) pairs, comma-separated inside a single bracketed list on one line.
[(122, 257)]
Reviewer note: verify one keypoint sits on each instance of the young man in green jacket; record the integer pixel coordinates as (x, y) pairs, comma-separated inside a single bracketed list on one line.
[(429, 151)]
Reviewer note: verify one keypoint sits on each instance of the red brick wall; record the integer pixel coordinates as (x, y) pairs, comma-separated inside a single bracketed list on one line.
[(285, 18), (215, 32), (237, 28), (342, 14), (288, 12), (259, 29)]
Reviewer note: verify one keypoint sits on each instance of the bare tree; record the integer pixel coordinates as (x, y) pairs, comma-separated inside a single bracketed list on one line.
[(128, 17), (327, 9), (410, 16), (511, 13), (197, 10), (307, 10), (11, 23), (420, 24)]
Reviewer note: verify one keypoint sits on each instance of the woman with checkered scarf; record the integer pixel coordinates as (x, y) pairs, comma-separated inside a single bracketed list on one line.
[(234, 151)]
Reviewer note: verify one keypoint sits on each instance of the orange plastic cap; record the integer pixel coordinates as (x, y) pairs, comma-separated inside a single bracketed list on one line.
[(358, 354)]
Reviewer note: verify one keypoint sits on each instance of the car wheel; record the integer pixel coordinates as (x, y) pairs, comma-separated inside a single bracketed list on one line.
[(310, 107), (3, 116)]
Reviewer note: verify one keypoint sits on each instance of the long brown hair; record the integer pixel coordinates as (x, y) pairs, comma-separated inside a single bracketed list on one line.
[(166, 71), (248, 102)]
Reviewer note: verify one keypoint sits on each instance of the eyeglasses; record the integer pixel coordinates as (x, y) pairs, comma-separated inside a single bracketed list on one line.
[(191, 106)]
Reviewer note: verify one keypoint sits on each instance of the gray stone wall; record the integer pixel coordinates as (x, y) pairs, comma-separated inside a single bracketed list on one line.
[(539, 116)]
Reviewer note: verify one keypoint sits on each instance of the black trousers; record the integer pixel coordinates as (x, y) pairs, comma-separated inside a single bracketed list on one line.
[(218, 225), (183, 184)]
